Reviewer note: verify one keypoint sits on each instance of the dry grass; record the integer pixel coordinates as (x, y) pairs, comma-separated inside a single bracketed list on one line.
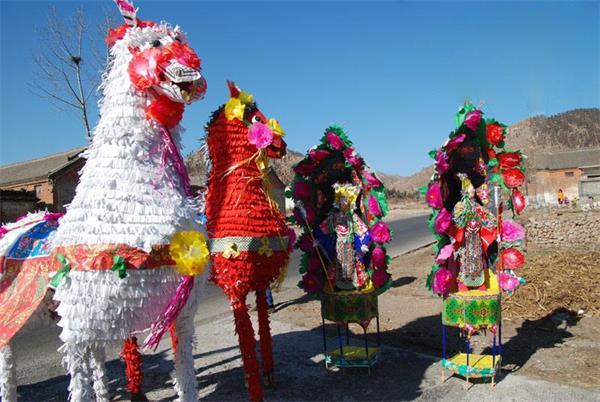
[(556, 279)]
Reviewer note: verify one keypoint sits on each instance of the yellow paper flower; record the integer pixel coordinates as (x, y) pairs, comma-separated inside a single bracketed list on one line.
[(234, 109), (190, 252), (245, 97), (276, 128)]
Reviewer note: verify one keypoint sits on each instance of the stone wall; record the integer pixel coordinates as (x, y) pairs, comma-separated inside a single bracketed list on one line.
[(564, 229)]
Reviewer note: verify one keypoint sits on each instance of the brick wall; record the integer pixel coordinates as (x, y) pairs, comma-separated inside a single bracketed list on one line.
[(544, 184), (41, 187)]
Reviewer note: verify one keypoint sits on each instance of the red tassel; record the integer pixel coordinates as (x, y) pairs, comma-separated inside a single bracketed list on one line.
[(133, 365), (174, 338)]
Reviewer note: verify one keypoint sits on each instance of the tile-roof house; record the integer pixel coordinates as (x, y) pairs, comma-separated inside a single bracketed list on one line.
[(570, 171), (53, 178)]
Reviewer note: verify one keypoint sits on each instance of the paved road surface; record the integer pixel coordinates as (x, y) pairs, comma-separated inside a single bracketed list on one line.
[(38, 360)]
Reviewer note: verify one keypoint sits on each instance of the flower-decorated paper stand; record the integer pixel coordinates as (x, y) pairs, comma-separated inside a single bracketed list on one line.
[(339, 204), (477, 250)]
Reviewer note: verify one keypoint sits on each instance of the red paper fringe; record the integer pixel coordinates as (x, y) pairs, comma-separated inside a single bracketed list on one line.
[(133, 365)]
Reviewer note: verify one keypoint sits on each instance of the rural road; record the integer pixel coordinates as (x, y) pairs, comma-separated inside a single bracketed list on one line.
[(35, 350)]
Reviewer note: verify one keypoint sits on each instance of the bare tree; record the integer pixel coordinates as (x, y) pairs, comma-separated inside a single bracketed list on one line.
[(68, 64)]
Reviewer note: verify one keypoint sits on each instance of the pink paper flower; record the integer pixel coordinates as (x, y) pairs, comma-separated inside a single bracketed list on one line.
[(444, 254), (374, 206), (442, 281), (52, 216), (434, 196), (3, 231), (301, 190), (508, 282), (455, 142), (472, 120), (334, 140), (312, 283), (380, 232), (353, 158), (441, 161), (371, 179), (512, 231), (380, 277), (378, 257), (318, 155), (260, 135), (442, 221)]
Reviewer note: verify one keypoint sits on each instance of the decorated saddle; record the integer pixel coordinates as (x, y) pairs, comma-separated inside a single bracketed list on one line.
[(25, 270)]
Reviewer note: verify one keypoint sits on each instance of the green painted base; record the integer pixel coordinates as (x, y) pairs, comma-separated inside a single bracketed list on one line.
[(349, 307), (478, 311), (353, 356)]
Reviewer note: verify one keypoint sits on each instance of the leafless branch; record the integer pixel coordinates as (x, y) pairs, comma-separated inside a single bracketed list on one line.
[(67, 64)]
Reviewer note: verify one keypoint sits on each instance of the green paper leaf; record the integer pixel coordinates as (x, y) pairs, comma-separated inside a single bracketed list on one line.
[(423, 190), (433, 153), (62, 273), (119, 266), (493, 162)]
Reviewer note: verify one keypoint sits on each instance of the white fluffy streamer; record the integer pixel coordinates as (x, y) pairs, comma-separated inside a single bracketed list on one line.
[(8, 375)]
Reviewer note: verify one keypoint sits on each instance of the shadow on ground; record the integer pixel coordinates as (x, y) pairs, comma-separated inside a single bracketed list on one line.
[(300, 369)]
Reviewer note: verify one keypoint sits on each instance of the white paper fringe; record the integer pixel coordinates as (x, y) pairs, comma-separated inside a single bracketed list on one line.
[(8, 375)]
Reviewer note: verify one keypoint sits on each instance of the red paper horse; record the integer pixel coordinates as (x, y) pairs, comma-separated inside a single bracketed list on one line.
[(249, 237)]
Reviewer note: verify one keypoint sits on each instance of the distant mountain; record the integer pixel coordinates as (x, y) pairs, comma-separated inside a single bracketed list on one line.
[(575, 129)]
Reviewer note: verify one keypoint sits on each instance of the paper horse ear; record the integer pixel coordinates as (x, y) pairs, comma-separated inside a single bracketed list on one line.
[(128, 11), (234, 91)]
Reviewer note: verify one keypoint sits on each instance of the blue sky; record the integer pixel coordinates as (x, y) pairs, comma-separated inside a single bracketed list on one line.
[(392, 73)]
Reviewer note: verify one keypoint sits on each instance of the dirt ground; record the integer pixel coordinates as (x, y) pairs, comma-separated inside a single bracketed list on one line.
[(553, 343)]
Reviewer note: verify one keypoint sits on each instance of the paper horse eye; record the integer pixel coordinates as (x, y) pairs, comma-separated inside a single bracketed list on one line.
[(256, 119), (156, 43)]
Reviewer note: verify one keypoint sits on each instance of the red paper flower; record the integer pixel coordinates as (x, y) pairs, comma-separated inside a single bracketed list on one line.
[(301, 190), (494, 133), (165, 111), (512, 258), (519, 201), (513, 177), (304, 168), (305, 243), (380, 277), (509, 159), (314, 265), (318, 155), (312, 283)]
